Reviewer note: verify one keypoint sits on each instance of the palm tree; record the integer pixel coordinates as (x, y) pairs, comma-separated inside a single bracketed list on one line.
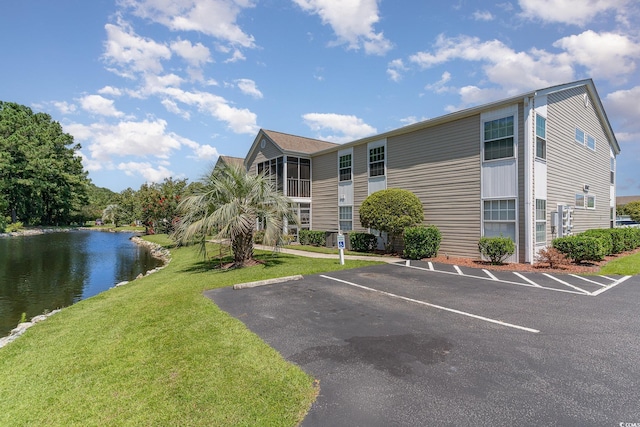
[(228, 206)]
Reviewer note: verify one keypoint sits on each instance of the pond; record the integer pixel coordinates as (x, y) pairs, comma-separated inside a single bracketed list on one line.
[(54, 270)]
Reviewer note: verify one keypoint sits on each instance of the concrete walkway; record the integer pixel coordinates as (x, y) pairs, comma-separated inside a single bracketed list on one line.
[(387, 259)]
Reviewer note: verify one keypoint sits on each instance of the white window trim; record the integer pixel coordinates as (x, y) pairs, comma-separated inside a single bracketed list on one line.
[(499, 114), (535, 148), (342, 220), (540, 221), (376, 144), (344, 153)]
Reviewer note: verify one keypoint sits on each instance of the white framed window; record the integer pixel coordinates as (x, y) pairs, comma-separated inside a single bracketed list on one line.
[(500, 218), (586, 201), (541, 221), (580, 135), (498, 138), (591, 143), (613, 170), (345, 218), (376, 161), (344, 167), (541, 137)]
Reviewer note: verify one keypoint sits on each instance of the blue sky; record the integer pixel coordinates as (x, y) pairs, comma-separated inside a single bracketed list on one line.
[(159, 88)]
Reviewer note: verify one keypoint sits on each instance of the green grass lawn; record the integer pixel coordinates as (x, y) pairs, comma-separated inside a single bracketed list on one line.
[(156, 352), (625, 266)]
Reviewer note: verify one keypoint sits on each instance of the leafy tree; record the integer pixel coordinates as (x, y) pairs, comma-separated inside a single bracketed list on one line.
[(391, 211), (41, 177), (113, 213), (98, 199), (228, 206), (633, 210), (159, 204)]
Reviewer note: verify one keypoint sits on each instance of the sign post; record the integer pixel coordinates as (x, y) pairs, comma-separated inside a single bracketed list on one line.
[(341, 247)]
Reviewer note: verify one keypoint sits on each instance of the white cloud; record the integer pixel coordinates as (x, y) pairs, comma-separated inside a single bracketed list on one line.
[(64, 107), (235, 57), (623, 105), (575, 12), (132, 53), (97, 104), (482, 15), (395, 69), (349, 127), (196, 55), (406, 121), (215, 18), (146, 170), (239, 120), (205, 152), (440, 85), (605, 55), (128, 138), (110, 90), (352, 21), (248, 87), (172, 107)]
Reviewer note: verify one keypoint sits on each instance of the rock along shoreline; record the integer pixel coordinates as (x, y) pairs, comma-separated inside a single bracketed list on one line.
[(157, 251)]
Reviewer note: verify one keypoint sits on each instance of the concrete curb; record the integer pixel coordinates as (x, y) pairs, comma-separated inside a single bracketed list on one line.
[(266, 282)]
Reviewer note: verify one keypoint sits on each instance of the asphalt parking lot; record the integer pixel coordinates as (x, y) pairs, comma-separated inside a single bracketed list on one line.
[(435, 345)]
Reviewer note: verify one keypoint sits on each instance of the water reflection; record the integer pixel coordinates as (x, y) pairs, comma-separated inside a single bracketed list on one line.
[(50, 271)]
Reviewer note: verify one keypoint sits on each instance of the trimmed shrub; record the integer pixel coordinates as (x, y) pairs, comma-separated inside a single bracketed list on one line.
[(363, 242), (312, 237), (604, 235), (631, 238), (496, 249), (421, 242), (581, 248)]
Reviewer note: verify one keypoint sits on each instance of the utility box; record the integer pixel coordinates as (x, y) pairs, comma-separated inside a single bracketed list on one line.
[(562, 220)]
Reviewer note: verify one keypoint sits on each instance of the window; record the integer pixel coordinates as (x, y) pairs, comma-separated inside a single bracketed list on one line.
[(298, 177), (587, 201), (346, 218), (579, 136), (500, 218), (591, 201), (579, 200), (344, 165), (591, 143), (376, 161), (498, 138), (541, 221), (613, 170), (541, 137)]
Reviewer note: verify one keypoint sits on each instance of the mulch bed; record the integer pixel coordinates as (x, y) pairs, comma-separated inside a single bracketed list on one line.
[(566, 268)]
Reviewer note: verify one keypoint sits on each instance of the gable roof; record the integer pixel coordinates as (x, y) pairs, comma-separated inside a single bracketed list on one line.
[(231, 161), (298, 144)]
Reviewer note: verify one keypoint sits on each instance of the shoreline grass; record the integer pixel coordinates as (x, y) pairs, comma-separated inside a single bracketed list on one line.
[(624, 266), (157, 352)]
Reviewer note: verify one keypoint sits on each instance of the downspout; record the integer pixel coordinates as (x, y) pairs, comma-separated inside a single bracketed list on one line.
[(529, 107)]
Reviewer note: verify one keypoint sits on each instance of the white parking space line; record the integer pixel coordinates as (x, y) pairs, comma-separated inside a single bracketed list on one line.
[(430, 265), (617, 282), (532, 285), (566, 284), (488, 273), (458, 270), (527, 279), (439, 307), (587, 280)]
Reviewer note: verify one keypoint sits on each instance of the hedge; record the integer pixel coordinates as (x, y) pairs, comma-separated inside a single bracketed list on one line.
[(421, 242), (363, 242), (582, 248), (312, 237)]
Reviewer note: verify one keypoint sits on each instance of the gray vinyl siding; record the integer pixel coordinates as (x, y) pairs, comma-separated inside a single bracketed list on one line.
[(324, 192), (570, 165), (269, 152), (522, 229), (441, 165)]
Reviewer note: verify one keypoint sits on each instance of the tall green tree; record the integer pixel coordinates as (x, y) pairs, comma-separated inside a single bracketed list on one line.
[(159, 204), (41, 175), (228, 206)]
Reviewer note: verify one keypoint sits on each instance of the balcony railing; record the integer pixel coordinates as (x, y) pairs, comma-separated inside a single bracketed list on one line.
[(298, 187)]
